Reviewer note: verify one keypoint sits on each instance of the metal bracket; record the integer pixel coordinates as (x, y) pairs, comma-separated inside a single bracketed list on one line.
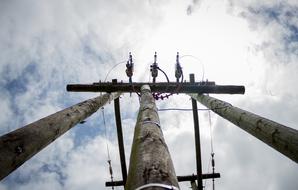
[(157, 185)]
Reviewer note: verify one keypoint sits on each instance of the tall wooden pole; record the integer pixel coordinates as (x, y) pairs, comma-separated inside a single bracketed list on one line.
[(150, 166), (279, 137), (20, 145)]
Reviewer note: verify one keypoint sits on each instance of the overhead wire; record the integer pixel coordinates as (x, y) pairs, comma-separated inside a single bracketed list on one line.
[(203, 67), (113, 69), (211, 158), (109, 161), (190, 109), (107, 146), (212, 148), (164, 109), (208, 168), (117, 64), (164, 74), (158, 95), (105, 126), (181, 109)]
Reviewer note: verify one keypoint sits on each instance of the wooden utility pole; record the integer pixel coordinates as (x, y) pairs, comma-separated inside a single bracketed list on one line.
[(20, 145), (150, 163), (281, 138), (150, 166)]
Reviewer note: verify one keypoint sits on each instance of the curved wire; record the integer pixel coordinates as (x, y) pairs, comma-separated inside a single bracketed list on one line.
[(108, 151), (164, 73), (112, 69), (203, 68), (212, 149), (156, 95)]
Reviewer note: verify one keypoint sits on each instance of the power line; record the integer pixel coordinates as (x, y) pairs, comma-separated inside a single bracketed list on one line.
[(189, 109), (203, 68), (113, 69), (180, 109), (108, 151)]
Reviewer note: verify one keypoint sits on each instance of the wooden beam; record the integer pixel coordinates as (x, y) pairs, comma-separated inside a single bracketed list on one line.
[(281, 138), (194, 177), (20, 145), (164, 87)]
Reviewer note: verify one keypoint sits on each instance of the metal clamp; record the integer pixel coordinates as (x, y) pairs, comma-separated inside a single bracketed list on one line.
[(157, 185), (152, 122)]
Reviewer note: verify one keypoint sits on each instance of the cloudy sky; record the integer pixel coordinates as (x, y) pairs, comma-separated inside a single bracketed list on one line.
[(45, 45)]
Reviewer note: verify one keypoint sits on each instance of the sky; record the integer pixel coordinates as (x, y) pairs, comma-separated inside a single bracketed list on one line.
[(45, 45)]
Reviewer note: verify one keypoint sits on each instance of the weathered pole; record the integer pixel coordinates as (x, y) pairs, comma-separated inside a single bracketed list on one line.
[(197, 137), (279, 137), (150, 166), (20, 145)]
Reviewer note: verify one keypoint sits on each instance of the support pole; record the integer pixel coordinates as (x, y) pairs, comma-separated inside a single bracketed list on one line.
[(20, 145), (197, 137), (281, 138), (150, 162), (120, 139)]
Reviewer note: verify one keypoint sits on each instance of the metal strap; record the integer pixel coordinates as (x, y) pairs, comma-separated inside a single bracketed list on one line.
[(152, 122), (157, 185)]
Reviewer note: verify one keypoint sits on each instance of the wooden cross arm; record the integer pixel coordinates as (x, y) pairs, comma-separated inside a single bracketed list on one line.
[(162, 87)]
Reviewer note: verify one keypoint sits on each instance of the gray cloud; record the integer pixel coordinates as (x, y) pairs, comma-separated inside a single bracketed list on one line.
[(278, 21), (45, 45), (194, 5)]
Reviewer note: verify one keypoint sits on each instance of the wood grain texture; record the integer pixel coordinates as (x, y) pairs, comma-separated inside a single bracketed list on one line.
[(150, 160), (20, 145), (281, 138)]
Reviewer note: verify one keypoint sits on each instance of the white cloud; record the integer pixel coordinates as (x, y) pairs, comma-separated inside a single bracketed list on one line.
[(49, 44), (7, 113)]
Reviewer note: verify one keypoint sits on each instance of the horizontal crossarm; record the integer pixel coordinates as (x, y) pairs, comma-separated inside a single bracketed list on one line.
[(163, 87), (180, 179)]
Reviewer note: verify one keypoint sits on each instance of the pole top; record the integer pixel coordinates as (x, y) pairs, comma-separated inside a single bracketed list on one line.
[(145, 87)]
